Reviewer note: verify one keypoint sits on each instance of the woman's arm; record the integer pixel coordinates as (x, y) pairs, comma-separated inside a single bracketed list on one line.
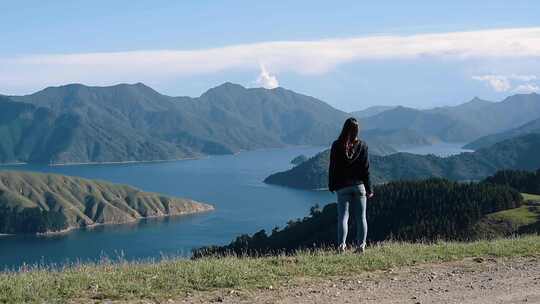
[(366, 175), (331, 169)]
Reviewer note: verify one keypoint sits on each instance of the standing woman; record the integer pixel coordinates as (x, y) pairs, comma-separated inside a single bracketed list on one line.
[(349, 177)]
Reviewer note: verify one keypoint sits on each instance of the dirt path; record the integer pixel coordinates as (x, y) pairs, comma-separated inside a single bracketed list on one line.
[(472, 281)]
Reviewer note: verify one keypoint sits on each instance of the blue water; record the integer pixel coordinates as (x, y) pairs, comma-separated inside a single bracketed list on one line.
[(441, 149), (232, 183)]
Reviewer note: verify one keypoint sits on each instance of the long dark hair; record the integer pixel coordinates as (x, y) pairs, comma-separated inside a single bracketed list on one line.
[(349, 134)]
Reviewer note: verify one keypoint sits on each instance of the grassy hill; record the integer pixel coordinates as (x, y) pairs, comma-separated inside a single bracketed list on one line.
[(524, 219), (516, 153), (37, 203)]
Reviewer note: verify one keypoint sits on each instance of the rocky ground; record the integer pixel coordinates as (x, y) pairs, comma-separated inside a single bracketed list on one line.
[(475, 281)]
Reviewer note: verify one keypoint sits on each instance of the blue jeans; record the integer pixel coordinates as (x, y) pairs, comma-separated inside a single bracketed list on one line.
[(353, 195)]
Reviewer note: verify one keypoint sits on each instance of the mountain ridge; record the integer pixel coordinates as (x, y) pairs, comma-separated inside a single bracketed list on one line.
[(133, 122), (462, 123), (527, 128)]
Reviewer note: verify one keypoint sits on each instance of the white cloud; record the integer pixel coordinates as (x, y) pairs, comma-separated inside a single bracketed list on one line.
[(527, 88), (303, 57), (498, 83), (504, 83), (266, 80)]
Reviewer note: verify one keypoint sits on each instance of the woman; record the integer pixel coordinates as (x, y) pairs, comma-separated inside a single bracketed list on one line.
[(349, 177)]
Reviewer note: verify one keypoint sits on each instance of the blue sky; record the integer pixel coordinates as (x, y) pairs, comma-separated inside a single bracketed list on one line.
[(320, 48)]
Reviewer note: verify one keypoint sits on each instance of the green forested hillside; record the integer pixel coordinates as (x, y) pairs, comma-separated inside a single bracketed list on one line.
[(524, 181), (416, 210), (35, 202), (134, 123), (517, 153)]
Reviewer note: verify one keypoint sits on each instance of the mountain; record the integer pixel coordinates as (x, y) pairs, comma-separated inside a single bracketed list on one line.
[(398, 137), (425, 124), (486, 141), (427, 210), (517, 153), (462, 123), (41, 135), (135, 123), (492, 117), (371, 111), (37, 203), (299, 159)]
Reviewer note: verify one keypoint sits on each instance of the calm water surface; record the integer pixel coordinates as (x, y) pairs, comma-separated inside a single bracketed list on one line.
[(232, 183), (439, 149)]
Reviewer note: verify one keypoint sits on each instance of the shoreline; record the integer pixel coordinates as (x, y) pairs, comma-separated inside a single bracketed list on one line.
[(154, 161), (209, 207), (13, 164), (123, 162)]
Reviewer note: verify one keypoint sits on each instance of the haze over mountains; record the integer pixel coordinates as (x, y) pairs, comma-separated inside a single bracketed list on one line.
[(77, 124)]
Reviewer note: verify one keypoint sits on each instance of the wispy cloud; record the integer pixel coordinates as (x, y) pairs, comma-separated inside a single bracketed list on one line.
[(303, 57), (497, 82), (504, 83), (266, 80)]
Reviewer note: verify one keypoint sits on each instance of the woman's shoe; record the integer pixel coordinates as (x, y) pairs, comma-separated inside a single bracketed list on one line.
[(361, 248), (342, 248)]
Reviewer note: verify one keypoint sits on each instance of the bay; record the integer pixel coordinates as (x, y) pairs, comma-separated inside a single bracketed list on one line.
[(232, 183)]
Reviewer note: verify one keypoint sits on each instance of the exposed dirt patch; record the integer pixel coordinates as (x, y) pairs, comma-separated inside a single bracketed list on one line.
[(475, 281)]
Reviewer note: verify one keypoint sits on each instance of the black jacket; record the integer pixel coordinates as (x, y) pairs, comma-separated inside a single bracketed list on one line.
[(344, 172)]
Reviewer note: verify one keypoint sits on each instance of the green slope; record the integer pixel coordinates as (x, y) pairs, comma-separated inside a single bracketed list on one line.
[(524, 219), (35, 202)]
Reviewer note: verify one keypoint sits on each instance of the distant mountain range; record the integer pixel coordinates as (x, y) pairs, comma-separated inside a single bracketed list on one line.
[(486, 141), (371, 111), (462, 123), (516, 153), (40, 203), (77, 123)]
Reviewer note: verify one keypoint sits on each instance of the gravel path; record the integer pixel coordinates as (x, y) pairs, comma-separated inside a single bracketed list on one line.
[(475, 281)]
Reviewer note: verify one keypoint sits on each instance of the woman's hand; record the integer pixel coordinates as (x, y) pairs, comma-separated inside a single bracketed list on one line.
[(370, 195)]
